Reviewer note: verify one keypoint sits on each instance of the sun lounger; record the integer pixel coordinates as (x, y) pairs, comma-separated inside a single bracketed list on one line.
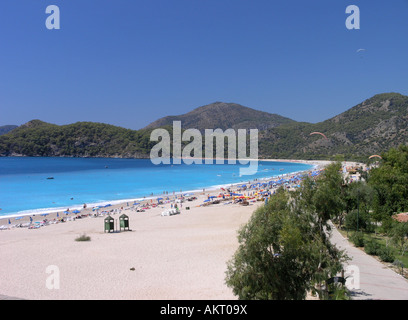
[(170, 212)]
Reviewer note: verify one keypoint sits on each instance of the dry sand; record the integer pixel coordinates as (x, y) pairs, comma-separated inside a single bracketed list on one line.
[(183, 256)]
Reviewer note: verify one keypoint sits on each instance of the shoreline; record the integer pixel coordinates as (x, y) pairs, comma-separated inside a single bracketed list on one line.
[(54, 210), (54, 213)]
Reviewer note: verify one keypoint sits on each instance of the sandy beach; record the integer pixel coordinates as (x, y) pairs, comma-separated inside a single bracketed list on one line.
[(181, 256)]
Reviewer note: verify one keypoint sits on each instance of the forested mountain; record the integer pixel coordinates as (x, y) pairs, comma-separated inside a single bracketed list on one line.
[(371, 127), (224, 116)]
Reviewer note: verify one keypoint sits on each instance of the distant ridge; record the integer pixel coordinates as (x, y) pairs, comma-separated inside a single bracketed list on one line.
[(223, 115), (6, 129), (371, 127)]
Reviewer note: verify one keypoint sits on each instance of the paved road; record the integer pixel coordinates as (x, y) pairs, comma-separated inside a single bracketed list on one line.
[(377, 281)]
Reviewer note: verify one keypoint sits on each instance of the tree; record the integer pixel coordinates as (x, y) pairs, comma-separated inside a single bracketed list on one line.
[(328, 197), (281, 253), (358, 197), (399, 235), (390, 183)]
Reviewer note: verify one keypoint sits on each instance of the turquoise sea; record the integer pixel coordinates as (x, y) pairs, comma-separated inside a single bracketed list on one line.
[(39, 185)]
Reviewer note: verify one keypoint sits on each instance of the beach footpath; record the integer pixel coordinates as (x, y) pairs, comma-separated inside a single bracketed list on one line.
[(373, 280)]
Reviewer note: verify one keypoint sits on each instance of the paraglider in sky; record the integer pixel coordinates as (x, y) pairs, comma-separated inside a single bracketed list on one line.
[(320, 134), (374, 156), (361, 53)]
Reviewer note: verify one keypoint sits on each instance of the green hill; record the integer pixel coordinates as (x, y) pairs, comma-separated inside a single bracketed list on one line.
[(81, 139)]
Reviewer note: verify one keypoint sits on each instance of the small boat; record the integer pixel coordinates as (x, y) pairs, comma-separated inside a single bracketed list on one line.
[(50, 178)]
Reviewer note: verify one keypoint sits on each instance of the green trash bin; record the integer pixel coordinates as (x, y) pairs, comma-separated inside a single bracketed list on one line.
[(124, 222), (109, 224)]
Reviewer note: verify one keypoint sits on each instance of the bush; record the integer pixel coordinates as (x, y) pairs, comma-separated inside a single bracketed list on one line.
[(340, 293), (372, 247), (386, 255), (358, 239), (83, 237), (400, 265)]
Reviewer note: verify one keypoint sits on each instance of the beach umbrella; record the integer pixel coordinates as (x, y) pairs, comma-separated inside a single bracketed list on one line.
[(76, 211)]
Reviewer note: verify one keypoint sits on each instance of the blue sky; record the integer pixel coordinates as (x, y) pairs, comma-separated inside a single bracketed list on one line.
[(129, 62)]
